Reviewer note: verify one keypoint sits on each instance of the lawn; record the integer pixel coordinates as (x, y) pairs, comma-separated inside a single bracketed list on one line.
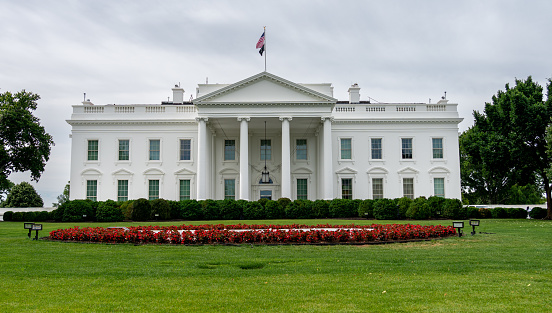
[(508, 269)]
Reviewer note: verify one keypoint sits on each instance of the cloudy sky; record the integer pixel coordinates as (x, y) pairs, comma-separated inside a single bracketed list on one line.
[(129, 52)]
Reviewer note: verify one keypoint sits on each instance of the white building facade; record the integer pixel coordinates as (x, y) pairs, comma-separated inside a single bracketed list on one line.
[(218, 145)]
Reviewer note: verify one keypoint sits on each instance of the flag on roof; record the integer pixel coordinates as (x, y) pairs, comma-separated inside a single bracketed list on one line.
[(261, 41), (261, 51)]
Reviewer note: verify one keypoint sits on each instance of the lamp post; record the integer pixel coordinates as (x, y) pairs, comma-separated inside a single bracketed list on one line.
[(28, 226), (458, 225), (37, 227), (474, 223)]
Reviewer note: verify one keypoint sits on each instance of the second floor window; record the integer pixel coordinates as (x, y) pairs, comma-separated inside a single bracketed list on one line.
[(266, 149), (93, 147), (376, 148), (406, 148), (155, 150), (437, 144), (185, 149), (124, 150), (229, 150), (301, 149), (346, 149)]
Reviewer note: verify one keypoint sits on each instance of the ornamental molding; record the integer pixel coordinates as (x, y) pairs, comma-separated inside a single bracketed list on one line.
[(130, 122)]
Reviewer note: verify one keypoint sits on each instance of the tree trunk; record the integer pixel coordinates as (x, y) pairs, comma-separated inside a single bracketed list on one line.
[(548, 190)]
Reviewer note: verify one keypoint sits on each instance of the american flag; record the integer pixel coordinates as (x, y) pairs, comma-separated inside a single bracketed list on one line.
[(261, 41)]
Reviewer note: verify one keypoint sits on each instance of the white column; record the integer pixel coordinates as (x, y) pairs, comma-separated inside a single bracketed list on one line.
[(202, 158), (286, 158), (244, 158), (328, 163)]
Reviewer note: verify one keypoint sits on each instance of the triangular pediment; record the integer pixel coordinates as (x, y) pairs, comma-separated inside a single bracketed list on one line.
[(264, 88), (377, 170), (184, 171), (154, 171), (408, 170), (122, 172)]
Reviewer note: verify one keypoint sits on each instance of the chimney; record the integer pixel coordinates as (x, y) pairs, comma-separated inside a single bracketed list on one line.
[(178, 94), (354, 93)]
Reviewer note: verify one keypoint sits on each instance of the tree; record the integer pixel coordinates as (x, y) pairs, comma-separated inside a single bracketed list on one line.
[(64, 197), (23, 196), (25, 143), (507, 144)]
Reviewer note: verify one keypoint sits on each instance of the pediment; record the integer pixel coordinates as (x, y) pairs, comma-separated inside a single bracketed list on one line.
[(439, 170), (264, 88), (91, 171), (302, 170), (346, 170), (228, 171), (377, 170), (122, 172), (154, 171), (408, 170), (184, 171)]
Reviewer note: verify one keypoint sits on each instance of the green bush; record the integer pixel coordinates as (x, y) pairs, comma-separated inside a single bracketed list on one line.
[(126, 209), (8, 216), (253, 211), (274, 210), (42, 216), (435, 206), (300, 209), (473, 212), (29, 216), (340, 208), (403, 204), (175, 209), (230, 209), (190, 209), (109, 211), (210, 209), (516, 213), (385, 209), (77, 211), (262, 201), (23, 195), (321, 208), (419, 209), (453, 209), (366, 208), (18, 217), (485, 213), (160, 207), (499, 212), (284, 202), (537, 213), (140, 210)]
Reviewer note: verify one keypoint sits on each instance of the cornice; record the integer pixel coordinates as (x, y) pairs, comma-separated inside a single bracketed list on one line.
[(389, 121), (130, 122)]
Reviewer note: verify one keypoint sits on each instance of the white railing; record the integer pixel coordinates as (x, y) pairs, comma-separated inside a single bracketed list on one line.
[(155, 109), (93, 109)]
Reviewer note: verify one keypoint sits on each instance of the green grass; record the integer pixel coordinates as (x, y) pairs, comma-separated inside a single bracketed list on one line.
[(508, 271)]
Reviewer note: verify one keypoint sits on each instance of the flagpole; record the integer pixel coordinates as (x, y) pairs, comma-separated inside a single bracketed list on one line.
[(265, 45)]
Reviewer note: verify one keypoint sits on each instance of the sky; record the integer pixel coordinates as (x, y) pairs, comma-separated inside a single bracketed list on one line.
[(133, 52)]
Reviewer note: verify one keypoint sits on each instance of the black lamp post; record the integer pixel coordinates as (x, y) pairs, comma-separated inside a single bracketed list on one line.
[(458, 226), (28, 226), (36, 227), (474, 223)]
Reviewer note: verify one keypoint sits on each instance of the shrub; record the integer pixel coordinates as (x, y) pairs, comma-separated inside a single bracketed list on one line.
[(499, 212), (175, 209), (29, 216), (109, 211), (435, 206), (473, 212), (210, 209), (126, 209), (343, 208), (42, 216), (485, 213), (140, 210), (229, 209), (284, 202), (160, 207), (273, 210), (18, 217), (419, 209), (321, 208), (8, 216), (385, 209), (253, 211), (537, 213), (57, 214), (403, 204), (23, 195), (299, 209), (262, 201), (453, 209), (516, 213), (190, 209), (366, 208), (76, 210)]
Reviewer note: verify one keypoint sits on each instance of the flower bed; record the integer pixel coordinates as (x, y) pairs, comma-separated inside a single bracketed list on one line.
[(258, 234)]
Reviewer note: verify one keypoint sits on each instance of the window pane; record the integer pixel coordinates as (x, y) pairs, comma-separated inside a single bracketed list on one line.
[(437, 148), (347, 188), (346, 149), (92, 190), (376, 148), (266, 149), (92, 150), (439, 187), (408, 187), (184, 189), (153, 189), (301, 149), (229, 150), (229, 189), (124, 149), (266, 194), (302, 191), (155, 150), (377, 188), (185, 149), (122, 190), (407, 148)]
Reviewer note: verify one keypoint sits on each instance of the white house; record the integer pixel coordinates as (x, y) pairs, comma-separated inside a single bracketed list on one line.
[(216, 146)]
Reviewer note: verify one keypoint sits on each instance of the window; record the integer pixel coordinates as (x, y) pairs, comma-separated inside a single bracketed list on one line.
[(439, 187), (155, 150), (347, 188), (346, 149), (302, 190), (301, 149), (376, 149), (266, 194), (153, 190), (408, 188), (184, 189), (377, 188), (92, 189), (266, 149), (229, 150), (185, 149), (407, 148), (124, 150), (437, 144), (93, 150), (229, 189), (122, 190)]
